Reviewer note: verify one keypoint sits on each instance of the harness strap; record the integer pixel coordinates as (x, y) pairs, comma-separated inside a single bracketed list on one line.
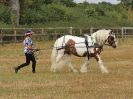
[(59, 48), (62, 47), (86, 43), (63, 40)]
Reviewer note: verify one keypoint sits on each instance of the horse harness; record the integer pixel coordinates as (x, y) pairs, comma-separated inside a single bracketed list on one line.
[(87, 46), (100, 48)]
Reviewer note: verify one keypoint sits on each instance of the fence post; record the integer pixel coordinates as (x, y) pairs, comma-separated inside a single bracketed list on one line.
[(122, 32), (80, 31), (42, 33), (91, 30), (1, 37), (15, 38), (71, 30)]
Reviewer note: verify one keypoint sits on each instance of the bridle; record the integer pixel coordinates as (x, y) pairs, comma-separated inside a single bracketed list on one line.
[(109, 42)]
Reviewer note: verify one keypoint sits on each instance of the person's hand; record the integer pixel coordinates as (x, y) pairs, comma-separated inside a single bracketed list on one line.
[(37, 49)]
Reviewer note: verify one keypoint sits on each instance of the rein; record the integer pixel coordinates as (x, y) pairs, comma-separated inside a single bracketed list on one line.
[(62, 47), (86, 42), (37, 53)]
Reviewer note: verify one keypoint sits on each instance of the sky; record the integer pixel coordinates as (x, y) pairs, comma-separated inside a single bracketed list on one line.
[(96, 1)]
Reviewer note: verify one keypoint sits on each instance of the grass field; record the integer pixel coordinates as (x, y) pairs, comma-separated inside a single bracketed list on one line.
[(118, 84)]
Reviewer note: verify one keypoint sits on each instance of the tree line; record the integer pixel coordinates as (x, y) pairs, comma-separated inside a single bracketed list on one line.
[(65, 12)]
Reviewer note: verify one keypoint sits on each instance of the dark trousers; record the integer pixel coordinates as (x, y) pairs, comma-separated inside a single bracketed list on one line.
[(29, 57)]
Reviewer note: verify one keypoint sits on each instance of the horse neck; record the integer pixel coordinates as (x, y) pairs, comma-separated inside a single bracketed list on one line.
[(100, 39)]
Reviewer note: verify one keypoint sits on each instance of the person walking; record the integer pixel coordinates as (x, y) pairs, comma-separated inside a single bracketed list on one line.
[(29, 52)]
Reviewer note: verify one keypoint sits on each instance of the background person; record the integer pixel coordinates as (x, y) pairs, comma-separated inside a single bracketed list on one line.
[(29, 52)]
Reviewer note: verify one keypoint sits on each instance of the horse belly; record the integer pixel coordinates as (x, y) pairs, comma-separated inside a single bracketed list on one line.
[(81, 50)]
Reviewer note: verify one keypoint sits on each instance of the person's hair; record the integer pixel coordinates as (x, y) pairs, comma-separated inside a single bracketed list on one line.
[(29, 32)]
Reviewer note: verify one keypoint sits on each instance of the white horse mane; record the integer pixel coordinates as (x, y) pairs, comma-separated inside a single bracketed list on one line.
[(100, 39)]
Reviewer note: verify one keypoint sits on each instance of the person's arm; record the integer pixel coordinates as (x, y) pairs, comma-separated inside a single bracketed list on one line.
[(32, 49)]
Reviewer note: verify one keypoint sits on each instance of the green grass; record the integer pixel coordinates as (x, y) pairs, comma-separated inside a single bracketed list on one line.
[(64, 84)]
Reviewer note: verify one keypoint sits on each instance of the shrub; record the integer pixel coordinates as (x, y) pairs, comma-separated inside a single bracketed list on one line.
[(55, 12), (5, 14), (90, 11)]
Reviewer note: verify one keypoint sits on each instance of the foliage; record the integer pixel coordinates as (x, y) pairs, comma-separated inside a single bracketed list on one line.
[(95, 10), (5, 14), (127, 3), (54, 12), (67, 13), (68, 3), (91, 11), (51, 12)]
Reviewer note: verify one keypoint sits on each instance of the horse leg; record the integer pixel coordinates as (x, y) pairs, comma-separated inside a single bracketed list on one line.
[(53, 67), (102, 67), (69, 62), (84, 67), (58, 61)]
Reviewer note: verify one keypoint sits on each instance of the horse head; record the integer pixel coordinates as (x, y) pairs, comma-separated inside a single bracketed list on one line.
[(105, 37), (111, 39)]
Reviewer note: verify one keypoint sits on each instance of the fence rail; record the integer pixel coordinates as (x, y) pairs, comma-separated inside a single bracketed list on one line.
[(17, 34)]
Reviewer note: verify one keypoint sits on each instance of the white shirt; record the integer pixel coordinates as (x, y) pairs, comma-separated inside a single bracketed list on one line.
[(27, 42)]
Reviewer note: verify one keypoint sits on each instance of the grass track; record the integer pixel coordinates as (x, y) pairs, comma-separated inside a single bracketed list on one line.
[(118, 84)]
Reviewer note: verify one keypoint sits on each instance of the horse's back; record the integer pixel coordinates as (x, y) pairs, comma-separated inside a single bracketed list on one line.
[(76, 39)]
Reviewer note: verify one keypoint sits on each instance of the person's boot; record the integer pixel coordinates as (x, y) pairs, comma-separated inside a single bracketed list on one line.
[(33, 71)]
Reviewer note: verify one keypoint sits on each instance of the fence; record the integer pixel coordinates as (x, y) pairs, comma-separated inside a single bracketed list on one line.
[(17, 34)]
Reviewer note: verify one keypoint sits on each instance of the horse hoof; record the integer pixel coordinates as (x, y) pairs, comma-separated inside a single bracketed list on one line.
[(83, 70)]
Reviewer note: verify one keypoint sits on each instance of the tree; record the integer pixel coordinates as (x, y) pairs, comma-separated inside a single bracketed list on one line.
[(129, 6), (15, 6), (68, 3), (127, 3)]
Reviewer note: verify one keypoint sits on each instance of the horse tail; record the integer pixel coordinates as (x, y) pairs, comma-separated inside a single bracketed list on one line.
[(54, 55), (57, 54), (54, 52)]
